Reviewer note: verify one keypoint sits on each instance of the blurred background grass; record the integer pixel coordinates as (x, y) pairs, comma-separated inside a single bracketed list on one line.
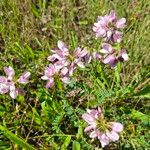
[(28, 31)]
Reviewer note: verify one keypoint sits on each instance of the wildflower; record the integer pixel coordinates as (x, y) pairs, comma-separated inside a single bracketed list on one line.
[(8, 83), (62, 57), (96, 55), (112, 56), (98, 128), (108, 27), (51, 72)]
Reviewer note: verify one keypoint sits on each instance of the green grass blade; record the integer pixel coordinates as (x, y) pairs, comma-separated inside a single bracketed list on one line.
[(15, 139)]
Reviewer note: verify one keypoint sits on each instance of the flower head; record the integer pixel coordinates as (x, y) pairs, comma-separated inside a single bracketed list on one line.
[(108, 27), (64, 63), (8, 83), (99, 128), (112, 56)]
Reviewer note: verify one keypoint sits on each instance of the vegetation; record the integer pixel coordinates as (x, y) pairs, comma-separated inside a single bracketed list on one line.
[(52, 118)]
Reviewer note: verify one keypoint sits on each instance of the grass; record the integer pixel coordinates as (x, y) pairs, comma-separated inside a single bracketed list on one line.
[(51, 119)]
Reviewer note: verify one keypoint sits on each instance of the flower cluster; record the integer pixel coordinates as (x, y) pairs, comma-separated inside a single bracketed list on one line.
[(108, 27), (64, 63), (8, 84), (98, 128), (112, 56)]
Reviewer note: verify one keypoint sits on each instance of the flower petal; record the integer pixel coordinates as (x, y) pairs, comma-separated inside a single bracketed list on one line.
[(50, 83), (64, 71), (13, 92), (89, 128), (113, 136), (104, 140), (121, 23), (116, 126), (24, 78), (9, 72)]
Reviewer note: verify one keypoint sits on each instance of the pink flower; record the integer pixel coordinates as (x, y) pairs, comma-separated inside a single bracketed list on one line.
[(4, 87), (9, 72), (106, 48), (111, 60), (90, 117), (96, 55), (7, 84), (64, 63), (24, 78), (112, 56), (59, 54), (53, 71), (107, 27), (99, 128), (49, 73), (123, 56)]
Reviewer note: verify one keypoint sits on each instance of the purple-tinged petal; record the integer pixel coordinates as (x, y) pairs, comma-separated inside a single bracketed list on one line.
[(99, 30), (83, 53), (107, 48), (121, 23), (117, 127), (50, 83), (4, 88), (78, 51), (54, 57), (112, 16), (104, 140), (65, 80), (93, 134), (117, 37), (44, 77), (87, 59), (96, 55), (9, 72), (89, 119), (62, 46), (109, 34), (13, 92), (72, 69), (79, 63), (64, 71), (24, 78), (108, 59), (3, 79), (87, 129), (99, 110), (123, 55), (113, 136), (111, 60)]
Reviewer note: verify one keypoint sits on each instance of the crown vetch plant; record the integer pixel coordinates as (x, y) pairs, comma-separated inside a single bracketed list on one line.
[(63, 63), (112, 56), (8, 82), (108, 27), (99, 128)]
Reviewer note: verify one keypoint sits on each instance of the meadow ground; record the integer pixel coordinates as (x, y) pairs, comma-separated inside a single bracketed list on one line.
[(51, 119)]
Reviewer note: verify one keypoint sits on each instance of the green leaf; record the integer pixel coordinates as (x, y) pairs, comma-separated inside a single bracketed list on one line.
[(16, 139), (35, 11), (76, 145), (145, 92), (140, 116), (66, 143), (37, 117), (80, 132)]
